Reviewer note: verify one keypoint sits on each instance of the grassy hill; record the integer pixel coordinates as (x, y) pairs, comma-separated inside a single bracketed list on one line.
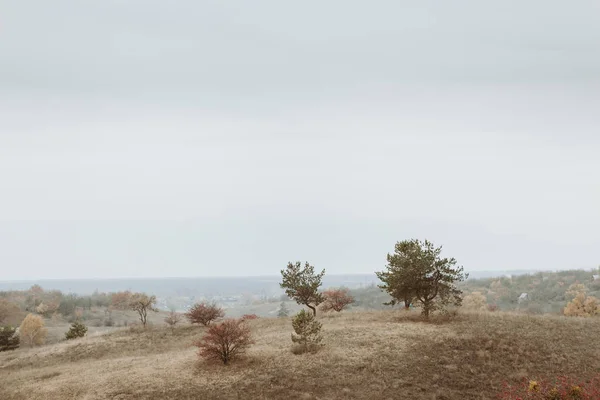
[(367, 355)]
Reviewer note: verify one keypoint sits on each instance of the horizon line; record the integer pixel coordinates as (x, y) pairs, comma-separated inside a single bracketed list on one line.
[(260, 276)]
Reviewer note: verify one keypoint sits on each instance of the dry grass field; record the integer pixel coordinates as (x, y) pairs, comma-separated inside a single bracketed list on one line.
[(367, 355)]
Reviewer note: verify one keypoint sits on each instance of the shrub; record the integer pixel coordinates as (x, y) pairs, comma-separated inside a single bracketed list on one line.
[(32, 330), (225, 341), (308, 333), (560, 388), (203, 313), (475, 301), (249, 316), (9, 340), (336, 300), (582, 306), (77, 330), (172, 319)]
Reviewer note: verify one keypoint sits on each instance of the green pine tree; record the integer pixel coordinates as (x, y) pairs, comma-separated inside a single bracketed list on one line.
[(77, 330), (308, 331), (9, 340)]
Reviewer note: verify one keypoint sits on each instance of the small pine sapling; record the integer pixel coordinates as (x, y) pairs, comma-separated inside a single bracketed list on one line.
[(308, 333), (77, 330)]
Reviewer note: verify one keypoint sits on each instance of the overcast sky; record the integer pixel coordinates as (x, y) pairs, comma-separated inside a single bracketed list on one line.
[(192, 138)]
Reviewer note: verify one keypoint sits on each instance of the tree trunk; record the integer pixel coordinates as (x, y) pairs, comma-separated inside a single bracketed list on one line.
[(314, 309), (406, 305), (426, 309), (142, 313)]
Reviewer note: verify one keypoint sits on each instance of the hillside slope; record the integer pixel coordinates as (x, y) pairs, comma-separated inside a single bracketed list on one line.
[(368, 355)]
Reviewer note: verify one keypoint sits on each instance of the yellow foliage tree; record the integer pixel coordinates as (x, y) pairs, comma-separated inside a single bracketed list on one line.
[(33, 331), (582, 306), (475, 301), (575, 289)]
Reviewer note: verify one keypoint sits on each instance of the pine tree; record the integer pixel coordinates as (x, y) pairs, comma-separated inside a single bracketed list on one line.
[(77, 330), (417, 271), (302, 284), (9, 340), (308, 332)]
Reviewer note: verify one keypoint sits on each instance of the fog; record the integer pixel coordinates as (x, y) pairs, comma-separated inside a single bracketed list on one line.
[(155, 139)]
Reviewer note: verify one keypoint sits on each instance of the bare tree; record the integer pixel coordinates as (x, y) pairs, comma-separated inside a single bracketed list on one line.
[(173, 319)]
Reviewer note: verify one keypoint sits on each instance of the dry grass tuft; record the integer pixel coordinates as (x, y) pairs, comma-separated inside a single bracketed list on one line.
[(367, 355)]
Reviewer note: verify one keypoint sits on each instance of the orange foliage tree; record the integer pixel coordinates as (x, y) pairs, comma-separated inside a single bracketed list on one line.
[(203, 313), (575, 289), (120, 300), (582, 306), (225, 341), (336, 300)]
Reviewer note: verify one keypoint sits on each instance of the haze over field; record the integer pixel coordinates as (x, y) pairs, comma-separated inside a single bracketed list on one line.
[(152, 139)]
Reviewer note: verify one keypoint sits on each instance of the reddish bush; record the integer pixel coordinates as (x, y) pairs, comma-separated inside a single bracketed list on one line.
[(202, 313), (560, 388), (492, 307), (336, 299), (225, 341), (249, 316)]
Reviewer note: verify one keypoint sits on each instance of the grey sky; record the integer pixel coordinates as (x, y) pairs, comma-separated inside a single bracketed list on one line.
[(153, 138)]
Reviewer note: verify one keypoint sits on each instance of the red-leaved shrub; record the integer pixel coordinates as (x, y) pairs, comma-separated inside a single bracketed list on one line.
[(249, 316), (202, 313), (225, 341), (336, 299), (560, 388)]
